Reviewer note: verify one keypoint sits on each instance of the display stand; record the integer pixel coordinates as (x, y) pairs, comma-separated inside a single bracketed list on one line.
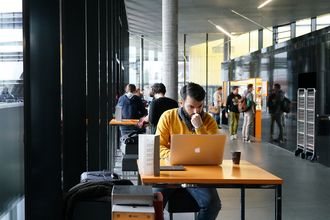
[(301, 122)]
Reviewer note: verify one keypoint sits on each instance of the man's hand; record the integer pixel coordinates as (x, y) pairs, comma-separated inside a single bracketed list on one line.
[(196, 120)]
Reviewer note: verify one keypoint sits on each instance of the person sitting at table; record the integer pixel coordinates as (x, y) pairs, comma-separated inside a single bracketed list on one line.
[(132, 108), (190, 119), (158, 105)]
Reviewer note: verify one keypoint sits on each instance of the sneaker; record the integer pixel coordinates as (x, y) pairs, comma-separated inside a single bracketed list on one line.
[(281, 141), (235, 136), (231, 137)]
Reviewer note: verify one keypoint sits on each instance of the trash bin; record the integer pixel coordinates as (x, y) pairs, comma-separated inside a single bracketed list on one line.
[(323, 139)]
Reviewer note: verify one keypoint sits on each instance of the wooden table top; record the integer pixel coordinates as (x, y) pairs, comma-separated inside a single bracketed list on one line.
[(124, 122), (227, 173)]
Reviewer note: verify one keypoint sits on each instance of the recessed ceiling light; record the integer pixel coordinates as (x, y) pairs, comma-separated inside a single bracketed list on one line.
[(263, 4), (221, 29)]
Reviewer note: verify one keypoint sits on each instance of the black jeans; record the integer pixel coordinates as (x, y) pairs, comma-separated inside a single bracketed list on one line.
[(278, 119)]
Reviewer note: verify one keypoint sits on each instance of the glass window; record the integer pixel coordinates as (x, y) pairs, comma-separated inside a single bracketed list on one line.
[(240, 45), (134, 59), (267, 38), (253, 40), (215, 58), (303, 27), (322, 21), (284, 33), (196, 48), (11, 110), (152, 63)]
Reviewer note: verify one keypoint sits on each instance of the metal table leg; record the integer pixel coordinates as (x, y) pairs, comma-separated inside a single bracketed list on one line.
[(278, 202), (243, 203)]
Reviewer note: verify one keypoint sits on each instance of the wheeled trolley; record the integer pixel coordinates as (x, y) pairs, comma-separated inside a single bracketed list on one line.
[(301, 120), (310, 124), (306, 123)]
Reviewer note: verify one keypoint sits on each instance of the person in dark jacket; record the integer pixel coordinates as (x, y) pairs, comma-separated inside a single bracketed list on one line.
[(159, 105), (132, 107), (274, 106), (232, 109)]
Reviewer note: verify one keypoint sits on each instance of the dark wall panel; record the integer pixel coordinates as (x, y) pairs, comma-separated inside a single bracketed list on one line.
[(74, 91), (93, 85), (42, 130)]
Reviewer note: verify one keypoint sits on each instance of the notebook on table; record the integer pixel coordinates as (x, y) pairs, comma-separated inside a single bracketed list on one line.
[(197, 149)]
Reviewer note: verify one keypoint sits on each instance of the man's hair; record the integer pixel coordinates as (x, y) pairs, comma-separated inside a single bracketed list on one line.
[(249, 85), (158, 88), (131, 88), (277, 86), (219, 88), (193, 90), (234, 87)]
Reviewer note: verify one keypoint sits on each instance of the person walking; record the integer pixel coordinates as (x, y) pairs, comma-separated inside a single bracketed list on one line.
[(232, 110), (274, 106)]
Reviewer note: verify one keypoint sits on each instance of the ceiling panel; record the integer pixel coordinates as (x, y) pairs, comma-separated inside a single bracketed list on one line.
[(144, 16)]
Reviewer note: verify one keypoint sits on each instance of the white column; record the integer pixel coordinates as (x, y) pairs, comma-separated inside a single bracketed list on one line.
[(170, 47)]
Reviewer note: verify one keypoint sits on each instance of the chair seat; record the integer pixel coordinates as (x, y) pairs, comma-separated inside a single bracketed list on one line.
[(181, 201)]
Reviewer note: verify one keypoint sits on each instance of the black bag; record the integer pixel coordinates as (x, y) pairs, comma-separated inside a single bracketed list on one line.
[(286, 105), (98, 176), (224, 119), (95, 196), (131, 138)]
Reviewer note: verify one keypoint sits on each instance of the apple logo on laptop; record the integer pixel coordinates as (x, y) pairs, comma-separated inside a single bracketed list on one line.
[(197, 150)]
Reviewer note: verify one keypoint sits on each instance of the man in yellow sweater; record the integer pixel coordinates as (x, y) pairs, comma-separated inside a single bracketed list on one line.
[(190, 119)]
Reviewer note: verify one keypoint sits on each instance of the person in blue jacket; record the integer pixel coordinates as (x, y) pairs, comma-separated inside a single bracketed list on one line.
[(132, 108)]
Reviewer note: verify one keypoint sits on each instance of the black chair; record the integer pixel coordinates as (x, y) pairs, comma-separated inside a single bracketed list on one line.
[(181, 201)]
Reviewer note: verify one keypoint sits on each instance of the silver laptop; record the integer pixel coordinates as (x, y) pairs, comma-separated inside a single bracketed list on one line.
[(197, 149)]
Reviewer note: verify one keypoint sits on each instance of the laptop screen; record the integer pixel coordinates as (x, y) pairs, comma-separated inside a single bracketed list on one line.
[(197, 149)]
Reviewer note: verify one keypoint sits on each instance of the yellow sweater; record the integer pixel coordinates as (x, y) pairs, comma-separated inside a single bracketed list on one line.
[(170, 123)]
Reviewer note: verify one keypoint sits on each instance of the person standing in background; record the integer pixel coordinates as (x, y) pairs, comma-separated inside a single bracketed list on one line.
[(274, 106), (232, 110), (249, 114), (217, 105)]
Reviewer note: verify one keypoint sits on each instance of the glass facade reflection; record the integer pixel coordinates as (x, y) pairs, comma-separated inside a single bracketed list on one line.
[(303, 27), (284, 33), (267, 38), (322, 21)]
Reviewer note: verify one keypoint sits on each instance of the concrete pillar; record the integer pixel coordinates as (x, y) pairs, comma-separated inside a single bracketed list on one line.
[(260, 38), (170, 47), (226, 48)]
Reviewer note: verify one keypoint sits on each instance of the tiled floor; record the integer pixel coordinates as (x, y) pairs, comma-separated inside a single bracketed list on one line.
[(306, 194)]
